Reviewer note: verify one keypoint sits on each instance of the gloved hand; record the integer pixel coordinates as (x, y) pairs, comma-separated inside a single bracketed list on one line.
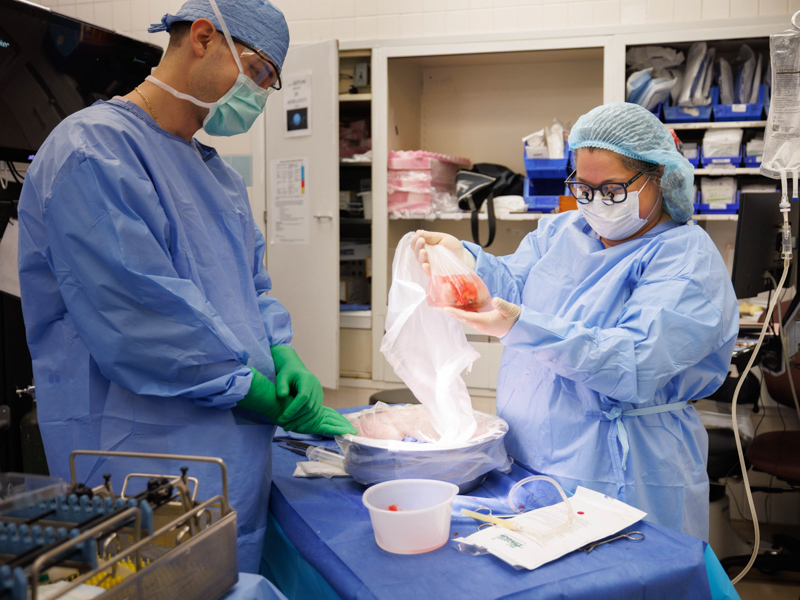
[(293, 380), (497, 322), (263, 399), (450, 242)]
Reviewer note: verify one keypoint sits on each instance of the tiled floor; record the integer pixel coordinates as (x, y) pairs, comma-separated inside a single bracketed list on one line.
[(757, 585)]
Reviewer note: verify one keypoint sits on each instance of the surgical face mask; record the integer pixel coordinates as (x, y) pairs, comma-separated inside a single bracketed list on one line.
[(616, 221), (238, 108)]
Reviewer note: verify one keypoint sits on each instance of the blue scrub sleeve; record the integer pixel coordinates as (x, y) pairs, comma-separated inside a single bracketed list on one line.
[(148, 329), (667, 326), (276, 319)]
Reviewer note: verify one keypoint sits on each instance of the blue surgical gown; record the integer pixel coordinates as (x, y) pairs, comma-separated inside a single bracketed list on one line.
[(144, 297), (603, 331)]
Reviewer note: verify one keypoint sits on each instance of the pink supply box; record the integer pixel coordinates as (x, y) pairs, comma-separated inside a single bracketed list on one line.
[(421, 182)]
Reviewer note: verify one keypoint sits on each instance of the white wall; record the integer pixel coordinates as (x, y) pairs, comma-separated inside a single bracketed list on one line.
[(353, 20)]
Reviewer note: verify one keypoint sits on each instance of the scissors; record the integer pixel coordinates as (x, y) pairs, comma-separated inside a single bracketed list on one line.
[(635, 536)]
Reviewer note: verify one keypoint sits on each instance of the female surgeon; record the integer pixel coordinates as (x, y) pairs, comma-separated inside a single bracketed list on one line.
[(614, 317)]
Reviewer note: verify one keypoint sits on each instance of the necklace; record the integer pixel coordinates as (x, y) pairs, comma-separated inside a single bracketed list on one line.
[(155, 118)]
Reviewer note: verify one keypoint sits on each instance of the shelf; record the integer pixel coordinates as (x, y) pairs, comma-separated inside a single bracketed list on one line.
[(715, 217), (530, 216), (355, 97), (716, 125), (351, 163), (728, 171), (355, 319)]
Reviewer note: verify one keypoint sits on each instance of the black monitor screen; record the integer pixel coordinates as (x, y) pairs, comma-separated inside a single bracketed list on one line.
[(758, 244), (52, 66)]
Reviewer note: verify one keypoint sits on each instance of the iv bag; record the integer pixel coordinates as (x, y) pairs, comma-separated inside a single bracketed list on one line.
[(782, 136)]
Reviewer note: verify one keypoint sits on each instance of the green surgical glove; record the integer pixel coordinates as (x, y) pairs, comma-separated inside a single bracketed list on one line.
[(293, 380), (291, 414)]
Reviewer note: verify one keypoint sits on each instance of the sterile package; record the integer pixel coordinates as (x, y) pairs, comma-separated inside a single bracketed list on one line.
[(555, 140), (535, 145), (701, 95), (421, 183), (754, 147), (725, 82), (689, 150), (722, 142), (596, 517), (718, 189), (744, 74), (693, 74), (454, 284), (400, 442), (659, 57)]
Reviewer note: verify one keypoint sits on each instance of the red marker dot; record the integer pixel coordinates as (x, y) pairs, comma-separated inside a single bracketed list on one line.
[(580, 512)]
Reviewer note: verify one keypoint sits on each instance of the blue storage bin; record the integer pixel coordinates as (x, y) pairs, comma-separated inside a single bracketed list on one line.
[(686, 114), (541, 195), (752, 161), (738, 112), (720, 160), (547, 168), (695, 162), (718, 208)]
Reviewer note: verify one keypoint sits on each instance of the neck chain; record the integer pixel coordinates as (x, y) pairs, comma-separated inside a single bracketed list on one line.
[(155, 118)]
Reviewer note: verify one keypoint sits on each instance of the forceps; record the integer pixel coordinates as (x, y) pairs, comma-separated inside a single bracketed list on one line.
[(635, 536)]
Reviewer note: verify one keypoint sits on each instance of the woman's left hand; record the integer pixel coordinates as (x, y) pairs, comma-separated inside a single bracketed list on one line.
[(497, 322)]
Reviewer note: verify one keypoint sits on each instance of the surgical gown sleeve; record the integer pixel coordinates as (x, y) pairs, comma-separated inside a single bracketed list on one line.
[(148, 329), (277, 322), (668, 324)]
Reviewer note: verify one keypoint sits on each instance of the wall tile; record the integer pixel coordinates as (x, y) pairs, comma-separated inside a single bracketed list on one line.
[(660, 11), (434, 24), (411, 25), (506, 18), (323, 9), (481, 21), (634, 11), (388, 26), (457, 22), (344, 8), (555, 16), (607, 12), (688, 10), (716, 9), (104, 15), (479, 3), (301, 32), (322, 29), (530, 18), (743, 8), (295, 10), (344, 29), (502, 3), (85, 12), (366, 28), (580, 14), (122, 15), (366, 8), (773, 7)]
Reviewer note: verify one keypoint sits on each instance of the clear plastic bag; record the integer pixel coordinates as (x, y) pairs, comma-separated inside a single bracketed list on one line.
[(454, 284), (427, 349)]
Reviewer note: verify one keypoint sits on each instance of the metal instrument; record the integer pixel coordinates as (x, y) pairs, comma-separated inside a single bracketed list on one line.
[(634, 536)]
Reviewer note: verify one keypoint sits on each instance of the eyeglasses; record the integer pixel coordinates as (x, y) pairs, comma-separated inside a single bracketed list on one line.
[(611, 193), (259, 68)]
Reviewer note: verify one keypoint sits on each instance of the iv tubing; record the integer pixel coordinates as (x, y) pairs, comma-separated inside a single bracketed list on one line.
[(787, 258)]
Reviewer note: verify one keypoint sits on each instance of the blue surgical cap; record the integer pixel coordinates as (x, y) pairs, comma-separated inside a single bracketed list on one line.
[(258, 23), (632, 130)]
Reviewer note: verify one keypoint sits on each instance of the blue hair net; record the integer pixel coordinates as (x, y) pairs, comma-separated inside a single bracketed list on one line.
[(632, 130), (258, 23)]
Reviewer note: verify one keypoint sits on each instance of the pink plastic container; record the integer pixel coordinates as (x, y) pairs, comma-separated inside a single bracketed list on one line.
[(418, 180)]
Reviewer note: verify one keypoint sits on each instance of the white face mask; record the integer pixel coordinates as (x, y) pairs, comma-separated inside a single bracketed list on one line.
[(617, 221)]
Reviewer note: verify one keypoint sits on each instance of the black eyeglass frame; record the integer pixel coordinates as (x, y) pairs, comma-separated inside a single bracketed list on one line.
[(607, 201), (278, 83)]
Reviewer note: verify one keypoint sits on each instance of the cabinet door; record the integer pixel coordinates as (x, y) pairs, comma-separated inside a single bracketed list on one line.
[(303, 203)]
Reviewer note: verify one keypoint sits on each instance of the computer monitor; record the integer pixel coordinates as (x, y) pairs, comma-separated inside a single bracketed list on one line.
[(758, 245), (52, 65)]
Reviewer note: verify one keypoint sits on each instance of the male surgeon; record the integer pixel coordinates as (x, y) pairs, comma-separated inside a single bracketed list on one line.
[(142, 274)]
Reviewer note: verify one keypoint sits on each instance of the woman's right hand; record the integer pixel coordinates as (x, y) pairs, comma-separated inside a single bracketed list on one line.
[(432, 238)]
